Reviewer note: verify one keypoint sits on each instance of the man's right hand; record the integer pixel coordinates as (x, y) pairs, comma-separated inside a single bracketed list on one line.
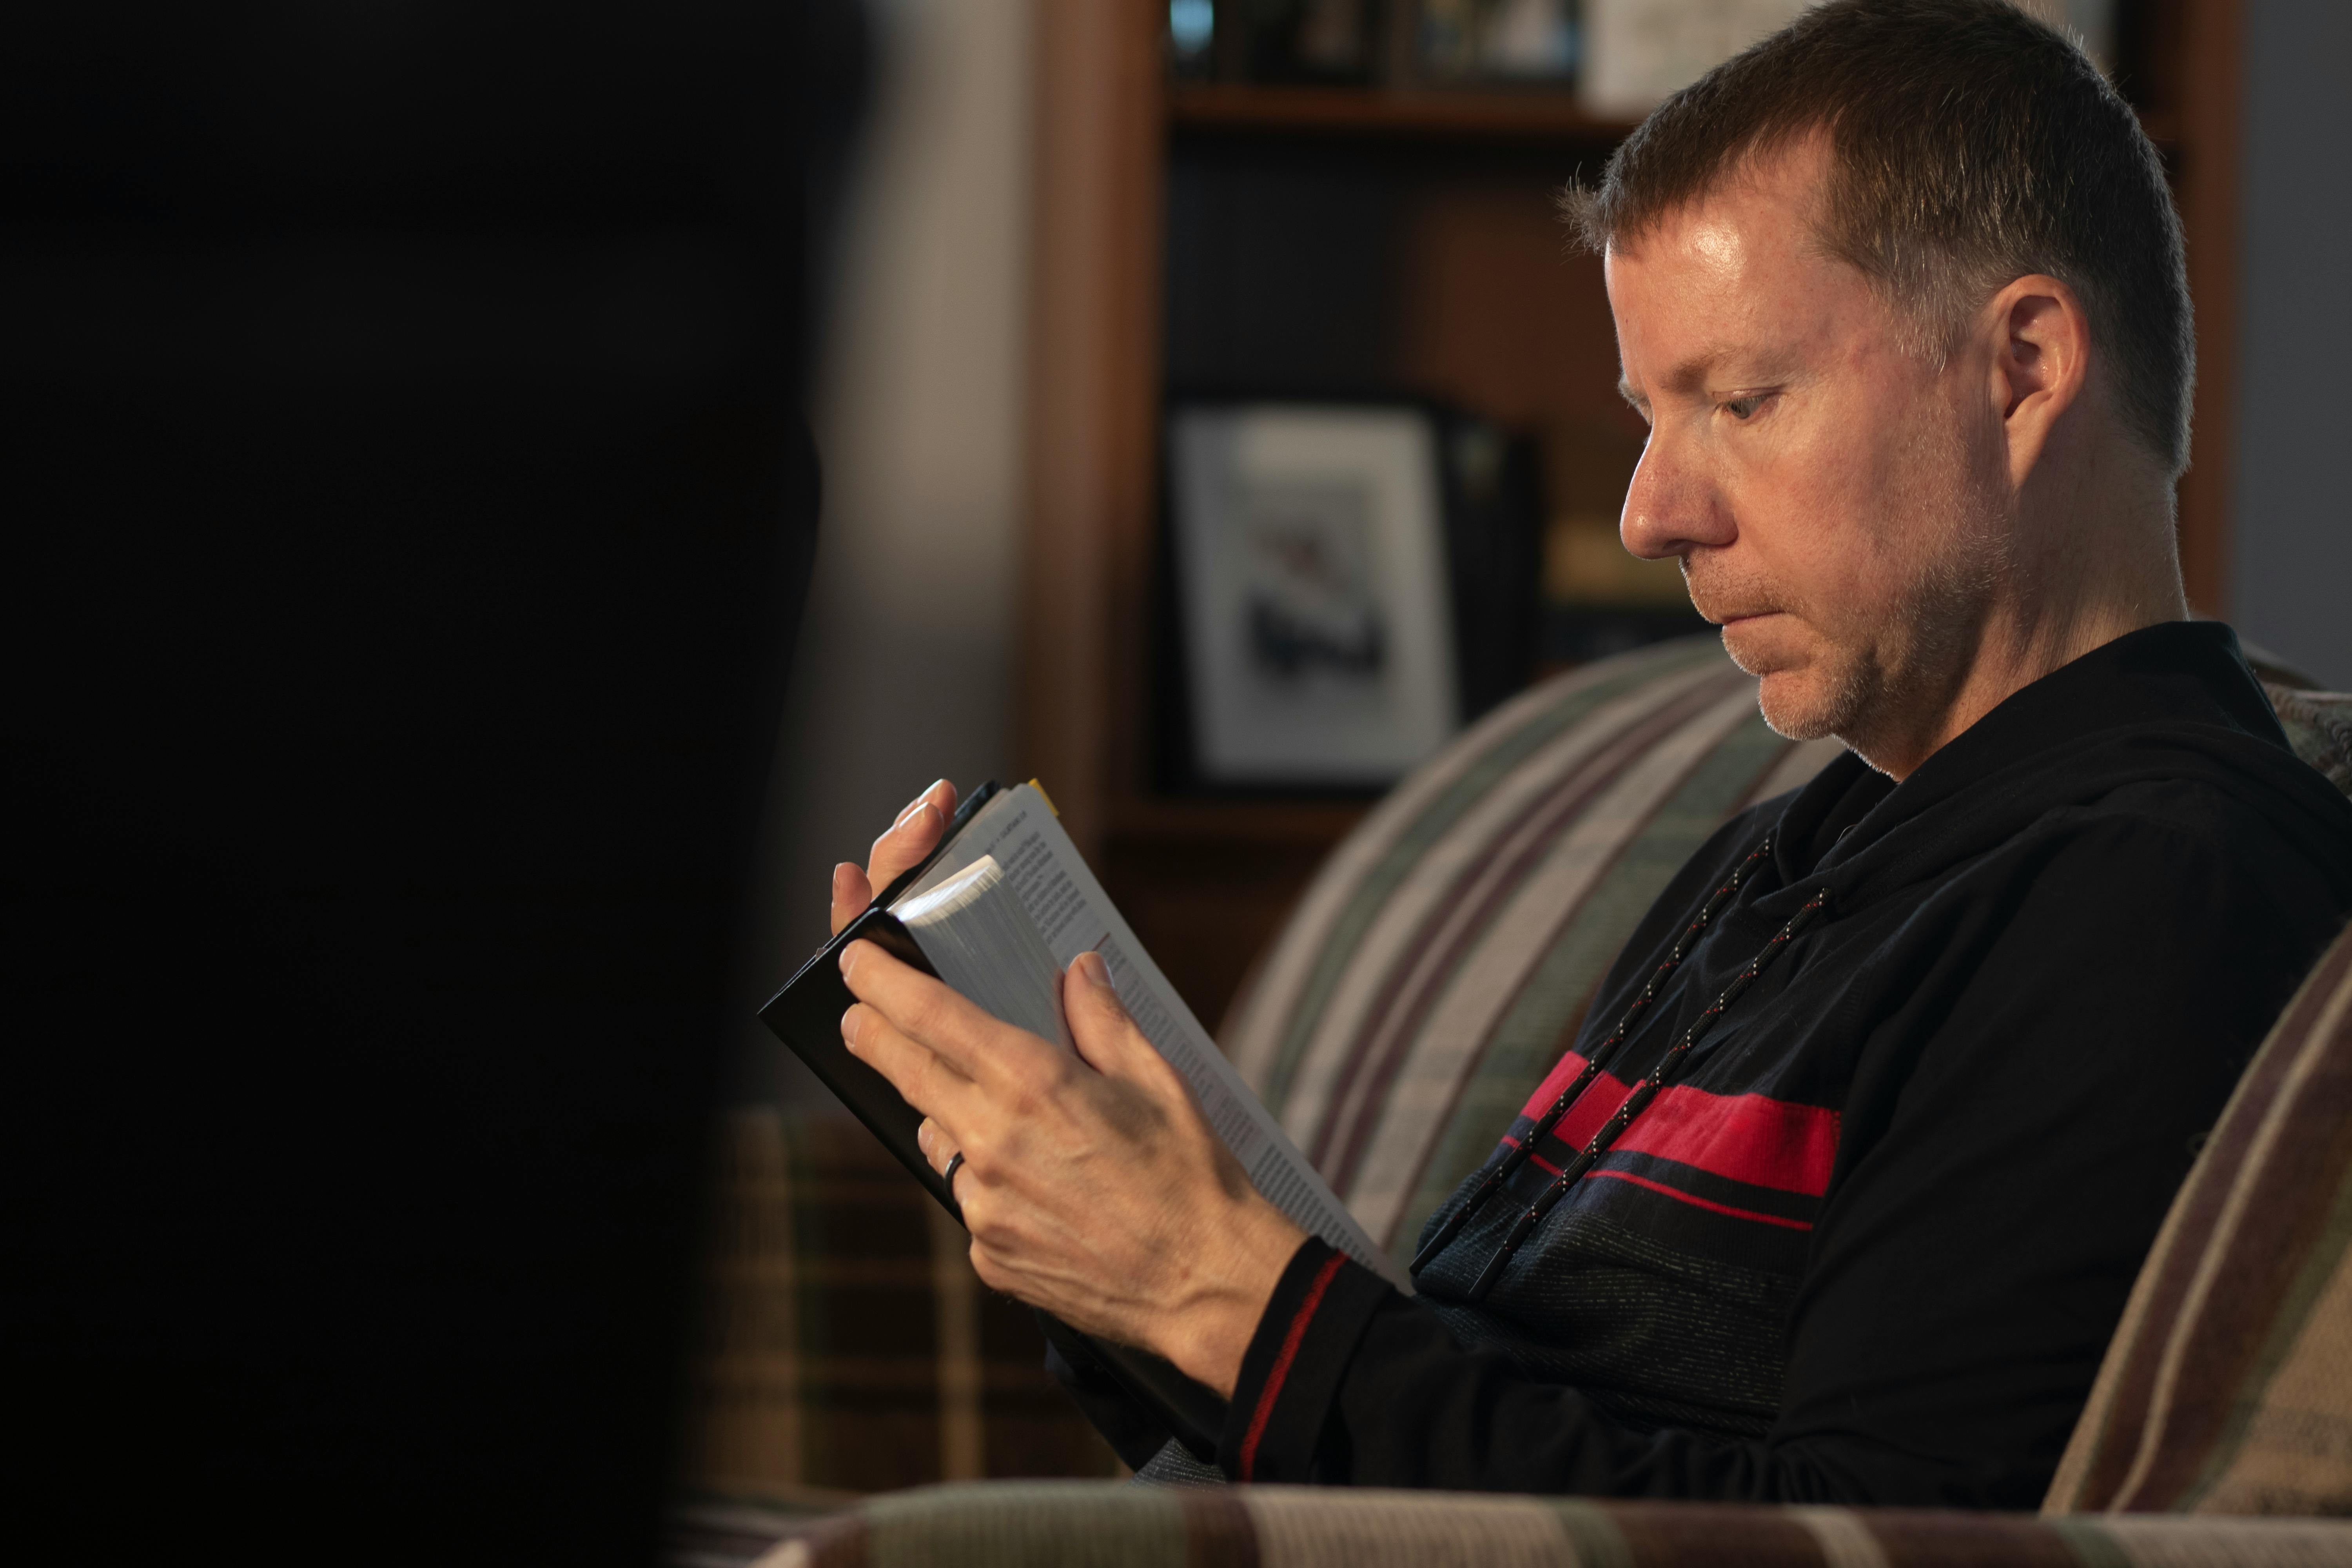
[(910, 838)]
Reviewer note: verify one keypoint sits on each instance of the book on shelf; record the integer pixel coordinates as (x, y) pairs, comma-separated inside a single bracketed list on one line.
[(997, 912), (1374, 42)]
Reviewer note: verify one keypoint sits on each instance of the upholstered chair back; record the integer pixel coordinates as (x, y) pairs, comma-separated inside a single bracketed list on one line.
[(2228, 1387)]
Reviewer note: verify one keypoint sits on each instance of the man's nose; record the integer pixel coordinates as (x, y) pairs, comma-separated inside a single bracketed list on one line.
[(1671, 507)]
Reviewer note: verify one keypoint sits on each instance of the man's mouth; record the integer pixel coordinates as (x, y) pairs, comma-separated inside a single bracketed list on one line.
[(1728, 611)]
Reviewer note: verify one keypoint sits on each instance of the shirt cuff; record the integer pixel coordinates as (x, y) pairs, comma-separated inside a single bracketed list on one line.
[(1291, 1373), (1135, 1433)]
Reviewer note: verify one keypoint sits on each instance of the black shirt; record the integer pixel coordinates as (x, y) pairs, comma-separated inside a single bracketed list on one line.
[(1870, 1240)]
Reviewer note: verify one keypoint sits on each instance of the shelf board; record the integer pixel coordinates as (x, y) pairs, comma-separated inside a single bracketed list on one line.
[(1548, 114), (1526, 113)]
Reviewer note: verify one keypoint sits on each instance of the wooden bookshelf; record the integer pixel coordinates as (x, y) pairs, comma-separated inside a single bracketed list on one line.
[(1528, 113), (1485, 308), (1514, 115)]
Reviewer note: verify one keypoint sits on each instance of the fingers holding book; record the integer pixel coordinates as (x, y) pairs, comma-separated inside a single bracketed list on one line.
[(944, 1156), (925, 1067), (1092, 1185), (906, 841), (1107, 1038), (901, 1009), (1053, 1075)]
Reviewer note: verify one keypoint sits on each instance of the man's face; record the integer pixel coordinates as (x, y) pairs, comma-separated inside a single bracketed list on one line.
[(1835, 499)]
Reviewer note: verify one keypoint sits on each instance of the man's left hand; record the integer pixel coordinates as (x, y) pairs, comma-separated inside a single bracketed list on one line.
[(1092, 1185)]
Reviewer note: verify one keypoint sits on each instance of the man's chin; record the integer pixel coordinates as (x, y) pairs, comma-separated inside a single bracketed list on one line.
[(1762, 645), (1803, 702), (1797, 682), (1794, 711)]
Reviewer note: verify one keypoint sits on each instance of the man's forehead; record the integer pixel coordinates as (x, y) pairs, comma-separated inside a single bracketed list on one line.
[(1734, 270), (1771, 200)]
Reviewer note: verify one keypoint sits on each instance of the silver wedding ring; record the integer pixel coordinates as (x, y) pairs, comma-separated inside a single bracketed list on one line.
[(955, 1163)]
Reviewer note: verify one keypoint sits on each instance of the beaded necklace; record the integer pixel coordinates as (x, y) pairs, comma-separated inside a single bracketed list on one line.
[(1603, 1054)]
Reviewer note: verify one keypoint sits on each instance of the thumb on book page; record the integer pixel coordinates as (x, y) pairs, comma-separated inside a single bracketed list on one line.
[(1106, 1036)]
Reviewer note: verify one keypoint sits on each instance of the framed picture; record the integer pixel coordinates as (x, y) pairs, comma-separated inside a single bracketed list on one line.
[(1314, 611)]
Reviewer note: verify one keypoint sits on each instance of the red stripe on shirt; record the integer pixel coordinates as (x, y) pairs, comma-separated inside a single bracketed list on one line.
[(1541, 1164), (1697, 1202), (1290, 1341), (1749, 1138)]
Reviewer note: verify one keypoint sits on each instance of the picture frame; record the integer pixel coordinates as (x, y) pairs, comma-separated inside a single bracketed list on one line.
[(1313, 606)]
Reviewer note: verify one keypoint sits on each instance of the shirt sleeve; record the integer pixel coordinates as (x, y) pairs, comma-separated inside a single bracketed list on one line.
[(1134, 1432), (1350, 1382), (2014, 1137)]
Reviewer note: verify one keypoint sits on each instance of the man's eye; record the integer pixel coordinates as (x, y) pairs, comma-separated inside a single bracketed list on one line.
[(1743, 407)]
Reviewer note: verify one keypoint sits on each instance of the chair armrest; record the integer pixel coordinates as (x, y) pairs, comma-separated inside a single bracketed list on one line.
[(1080, 1524)]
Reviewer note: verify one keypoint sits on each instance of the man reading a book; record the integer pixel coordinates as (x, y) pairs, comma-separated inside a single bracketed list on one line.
[(1900, 293)]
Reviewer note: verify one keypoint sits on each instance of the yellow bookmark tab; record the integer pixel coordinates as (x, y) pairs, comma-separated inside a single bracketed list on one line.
[(1049, 799)]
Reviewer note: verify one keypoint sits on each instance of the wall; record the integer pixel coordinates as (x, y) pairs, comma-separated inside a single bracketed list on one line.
[(905, 669), (2292, 571)]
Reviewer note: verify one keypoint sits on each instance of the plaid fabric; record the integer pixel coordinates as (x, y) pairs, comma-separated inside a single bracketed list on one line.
[(847, 1347), (2228, 1387), (720, 1534), (1447, 951), (1076, 1525)]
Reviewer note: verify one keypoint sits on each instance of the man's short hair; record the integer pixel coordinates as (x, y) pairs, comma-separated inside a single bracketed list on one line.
[(1969, 145)]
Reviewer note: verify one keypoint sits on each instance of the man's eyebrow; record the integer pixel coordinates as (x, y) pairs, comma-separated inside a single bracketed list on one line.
[(1688, 377)]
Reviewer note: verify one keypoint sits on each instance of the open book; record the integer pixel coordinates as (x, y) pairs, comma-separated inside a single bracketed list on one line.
[(997, 911)]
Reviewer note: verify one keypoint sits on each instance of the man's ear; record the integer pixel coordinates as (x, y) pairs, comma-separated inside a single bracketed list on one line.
[(2040, 364)]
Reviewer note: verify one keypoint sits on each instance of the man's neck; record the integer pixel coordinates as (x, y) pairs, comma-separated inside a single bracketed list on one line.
[(2094, 560)]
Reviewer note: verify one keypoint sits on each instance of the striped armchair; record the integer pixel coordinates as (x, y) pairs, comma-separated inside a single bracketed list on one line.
[(1421, 987)]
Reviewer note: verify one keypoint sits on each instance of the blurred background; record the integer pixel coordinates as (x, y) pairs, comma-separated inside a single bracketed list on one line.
[(423, 768)]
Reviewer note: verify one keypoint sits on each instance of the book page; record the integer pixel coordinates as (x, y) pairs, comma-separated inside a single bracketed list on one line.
[(981, 940), (1073, 915)]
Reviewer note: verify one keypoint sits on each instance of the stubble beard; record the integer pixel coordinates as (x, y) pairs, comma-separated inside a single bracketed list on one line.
[(1879, 678)]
